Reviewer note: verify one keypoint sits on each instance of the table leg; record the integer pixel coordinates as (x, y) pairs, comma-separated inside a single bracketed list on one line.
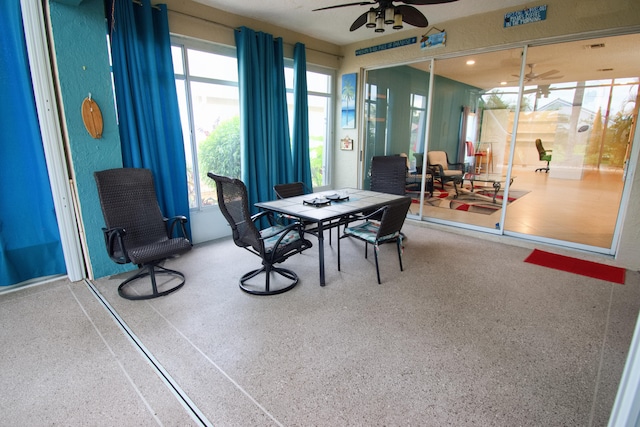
[(496, 188), (457, 182), (321, 252)]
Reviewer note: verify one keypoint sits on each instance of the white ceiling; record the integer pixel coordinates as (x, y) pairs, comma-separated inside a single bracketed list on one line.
[(333, 25), (573, 61)]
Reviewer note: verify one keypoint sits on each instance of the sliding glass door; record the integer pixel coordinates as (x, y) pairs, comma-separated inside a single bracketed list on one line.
[(577, 101)]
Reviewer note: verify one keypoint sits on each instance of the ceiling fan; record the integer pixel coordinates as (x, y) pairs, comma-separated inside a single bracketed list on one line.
[(532, 75), (387, 13)]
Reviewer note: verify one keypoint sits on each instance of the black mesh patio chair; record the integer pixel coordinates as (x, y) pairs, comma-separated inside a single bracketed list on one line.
[(274, 244), (374, 232), (290, 189), (136, 231), (389, 174)]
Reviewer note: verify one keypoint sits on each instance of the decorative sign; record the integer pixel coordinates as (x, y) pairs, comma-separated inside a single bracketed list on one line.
[(525, 16), (385, 46), (434, 40), (346, 143)]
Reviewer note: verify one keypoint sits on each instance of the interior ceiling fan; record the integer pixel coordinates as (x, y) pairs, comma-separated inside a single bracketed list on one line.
[(388, 13), (532, 75)]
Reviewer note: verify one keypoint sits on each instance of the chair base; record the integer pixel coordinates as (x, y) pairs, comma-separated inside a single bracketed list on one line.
[(288, 274), (151, 271), (543, 169)]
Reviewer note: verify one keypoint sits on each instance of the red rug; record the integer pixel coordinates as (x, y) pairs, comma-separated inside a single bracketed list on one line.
[(577, 266)]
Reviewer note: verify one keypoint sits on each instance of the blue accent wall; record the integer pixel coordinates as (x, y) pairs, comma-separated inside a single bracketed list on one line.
[(82, 58)]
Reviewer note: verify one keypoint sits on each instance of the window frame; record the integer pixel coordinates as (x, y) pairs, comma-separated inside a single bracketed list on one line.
[(185, 43)]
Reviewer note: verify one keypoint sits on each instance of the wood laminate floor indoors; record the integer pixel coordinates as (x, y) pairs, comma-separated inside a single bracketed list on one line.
[(582, 211)]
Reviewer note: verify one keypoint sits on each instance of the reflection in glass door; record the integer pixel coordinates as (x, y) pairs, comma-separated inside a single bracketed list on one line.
[(582, 114), (487, 110), (470, 124)]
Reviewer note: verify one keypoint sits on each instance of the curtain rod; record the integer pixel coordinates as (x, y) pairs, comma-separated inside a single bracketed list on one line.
[(234, 28)]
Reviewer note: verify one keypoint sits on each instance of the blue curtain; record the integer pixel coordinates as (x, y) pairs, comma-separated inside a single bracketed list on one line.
[(146, 99), (264, 122), (301, 162), (29, 238)]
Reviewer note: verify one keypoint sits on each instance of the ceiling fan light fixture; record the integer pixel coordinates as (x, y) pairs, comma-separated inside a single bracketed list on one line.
[(371, 19), (397, 21), (379, 24), (389, 15)]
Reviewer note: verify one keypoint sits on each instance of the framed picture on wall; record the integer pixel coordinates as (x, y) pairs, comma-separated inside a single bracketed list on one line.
[(346, 144), (348, 105)]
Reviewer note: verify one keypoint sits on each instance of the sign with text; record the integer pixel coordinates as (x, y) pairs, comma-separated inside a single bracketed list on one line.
[(386, 46), (525, 16), (434, 40)]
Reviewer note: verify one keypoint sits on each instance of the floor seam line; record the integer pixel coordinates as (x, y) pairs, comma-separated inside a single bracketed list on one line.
[(113, 353), (601, 361), (215, 365), (171, 383)]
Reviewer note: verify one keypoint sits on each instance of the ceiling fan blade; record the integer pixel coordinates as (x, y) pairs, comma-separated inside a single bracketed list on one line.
[(362, 19), (360, 3), (412, 16), (426, 2), (546, 74)]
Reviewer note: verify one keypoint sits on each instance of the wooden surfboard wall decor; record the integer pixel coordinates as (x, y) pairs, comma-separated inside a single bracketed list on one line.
[(92, 117)]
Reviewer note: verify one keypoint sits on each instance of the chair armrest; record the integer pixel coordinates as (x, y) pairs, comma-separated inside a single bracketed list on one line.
[(375, 214), (270, 217), (460, 166), (438, 169), (180, 221), (113, 239), (284, 230)]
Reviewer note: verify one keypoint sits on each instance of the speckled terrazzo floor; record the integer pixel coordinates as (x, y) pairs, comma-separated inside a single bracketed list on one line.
[(467, 335)]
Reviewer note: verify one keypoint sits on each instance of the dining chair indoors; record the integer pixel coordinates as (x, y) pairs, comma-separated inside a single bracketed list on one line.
[(376, 233), (274, 244), (136, 231)]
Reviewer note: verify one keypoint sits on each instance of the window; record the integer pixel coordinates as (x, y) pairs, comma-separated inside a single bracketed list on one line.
[(319, 98), (207, 85)]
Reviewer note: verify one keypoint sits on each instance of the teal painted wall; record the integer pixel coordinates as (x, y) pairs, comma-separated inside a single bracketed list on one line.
[(395, 86), (82, 59)]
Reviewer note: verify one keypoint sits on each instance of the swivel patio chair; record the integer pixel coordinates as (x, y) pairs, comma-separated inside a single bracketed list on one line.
[(543, 155), (274, 244), (374, 232), (136, 231)]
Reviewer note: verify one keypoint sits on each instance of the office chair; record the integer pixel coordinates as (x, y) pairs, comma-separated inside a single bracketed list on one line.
[(544, 155)]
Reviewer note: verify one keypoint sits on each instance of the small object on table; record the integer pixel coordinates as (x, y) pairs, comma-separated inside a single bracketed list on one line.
[(337, 197), (317, 201)]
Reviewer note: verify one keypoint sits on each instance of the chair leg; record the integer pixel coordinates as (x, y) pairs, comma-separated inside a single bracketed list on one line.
[(375, 255), (151, 270), (399, 245), (338, 248), (289, 274)]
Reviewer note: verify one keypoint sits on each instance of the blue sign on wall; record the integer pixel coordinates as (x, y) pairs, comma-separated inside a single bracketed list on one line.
[(525, 16), (385, 46)]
